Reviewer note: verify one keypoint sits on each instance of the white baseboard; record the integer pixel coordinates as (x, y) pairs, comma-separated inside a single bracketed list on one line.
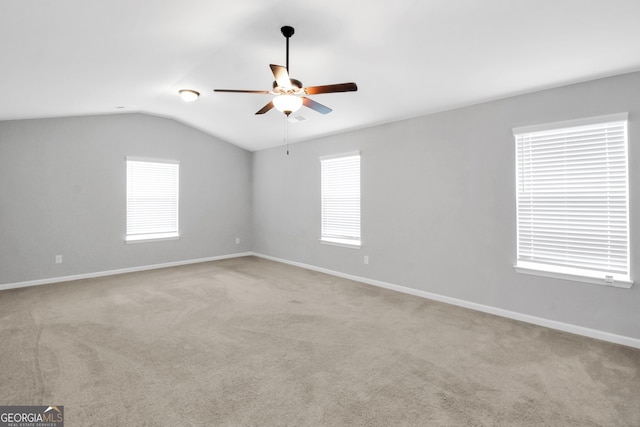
[(552, 324), (118, 271)]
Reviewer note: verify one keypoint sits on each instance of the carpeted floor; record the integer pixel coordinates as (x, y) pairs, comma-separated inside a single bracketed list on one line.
[(250, 342)]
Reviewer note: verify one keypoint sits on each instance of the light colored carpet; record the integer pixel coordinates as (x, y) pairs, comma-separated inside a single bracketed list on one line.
[(250, 342)]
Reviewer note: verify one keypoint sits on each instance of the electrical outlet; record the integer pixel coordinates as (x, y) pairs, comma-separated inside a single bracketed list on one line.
[(237, 240), (366, 259), (58, 259)]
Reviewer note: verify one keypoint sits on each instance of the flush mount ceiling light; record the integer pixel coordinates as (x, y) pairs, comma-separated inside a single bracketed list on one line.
[(290, 93), (188, 95)]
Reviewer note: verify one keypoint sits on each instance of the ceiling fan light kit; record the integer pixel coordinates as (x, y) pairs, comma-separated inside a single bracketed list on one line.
[(188, 95), (287, 103), (290, 93)]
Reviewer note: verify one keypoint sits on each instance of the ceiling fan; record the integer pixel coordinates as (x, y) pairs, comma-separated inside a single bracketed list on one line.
[(290, 93)]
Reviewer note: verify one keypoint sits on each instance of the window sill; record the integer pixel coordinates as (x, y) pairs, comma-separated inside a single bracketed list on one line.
[(617, 283), (345, 243), (151, 238)]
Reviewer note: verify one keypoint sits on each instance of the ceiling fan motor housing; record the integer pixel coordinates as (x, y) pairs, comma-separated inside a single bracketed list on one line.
[(296, 85)]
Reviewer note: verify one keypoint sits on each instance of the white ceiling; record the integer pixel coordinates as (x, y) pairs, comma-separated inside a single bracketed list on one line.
[(408, 57)]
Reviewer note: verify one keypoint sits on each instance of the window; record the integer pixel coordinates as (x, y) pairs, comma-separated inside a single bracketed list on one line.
[(572, 200), (152, 200), (340, 180)]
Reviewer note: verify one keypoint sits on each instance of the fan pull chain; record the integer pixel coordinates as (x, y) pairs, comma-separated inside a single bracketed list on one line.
[(286, 133)]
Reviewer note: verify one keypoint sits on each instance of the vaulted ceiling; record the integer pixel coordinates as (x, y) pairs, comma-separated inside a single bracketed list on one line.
[(408, 57)]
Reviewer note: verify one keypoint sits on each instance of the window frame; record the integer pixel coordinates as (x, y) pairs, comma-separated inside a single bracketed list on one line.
[(171, 233), (353, 241), (566, 272)]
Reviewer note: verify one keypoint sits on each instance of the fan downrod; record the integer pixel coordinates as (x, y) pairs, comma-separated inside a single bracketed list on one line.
[(287, 31)]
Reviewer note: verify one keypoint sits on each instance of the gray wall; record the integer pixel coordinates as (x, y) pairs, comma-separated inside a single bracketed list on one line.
[(63, 191), (438, 205)]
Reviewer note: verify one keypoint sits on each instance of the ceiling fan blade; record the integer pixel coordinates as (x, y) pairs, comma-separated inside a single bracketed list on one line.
[(340, 87), (281, 75), (316, 106), (266, 92), (266, 108)]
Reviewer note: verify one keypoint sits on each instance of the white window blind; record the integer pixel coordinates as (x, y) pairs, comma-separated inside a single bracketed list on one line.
[(152, 199), (341, 199), (572, 199)]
